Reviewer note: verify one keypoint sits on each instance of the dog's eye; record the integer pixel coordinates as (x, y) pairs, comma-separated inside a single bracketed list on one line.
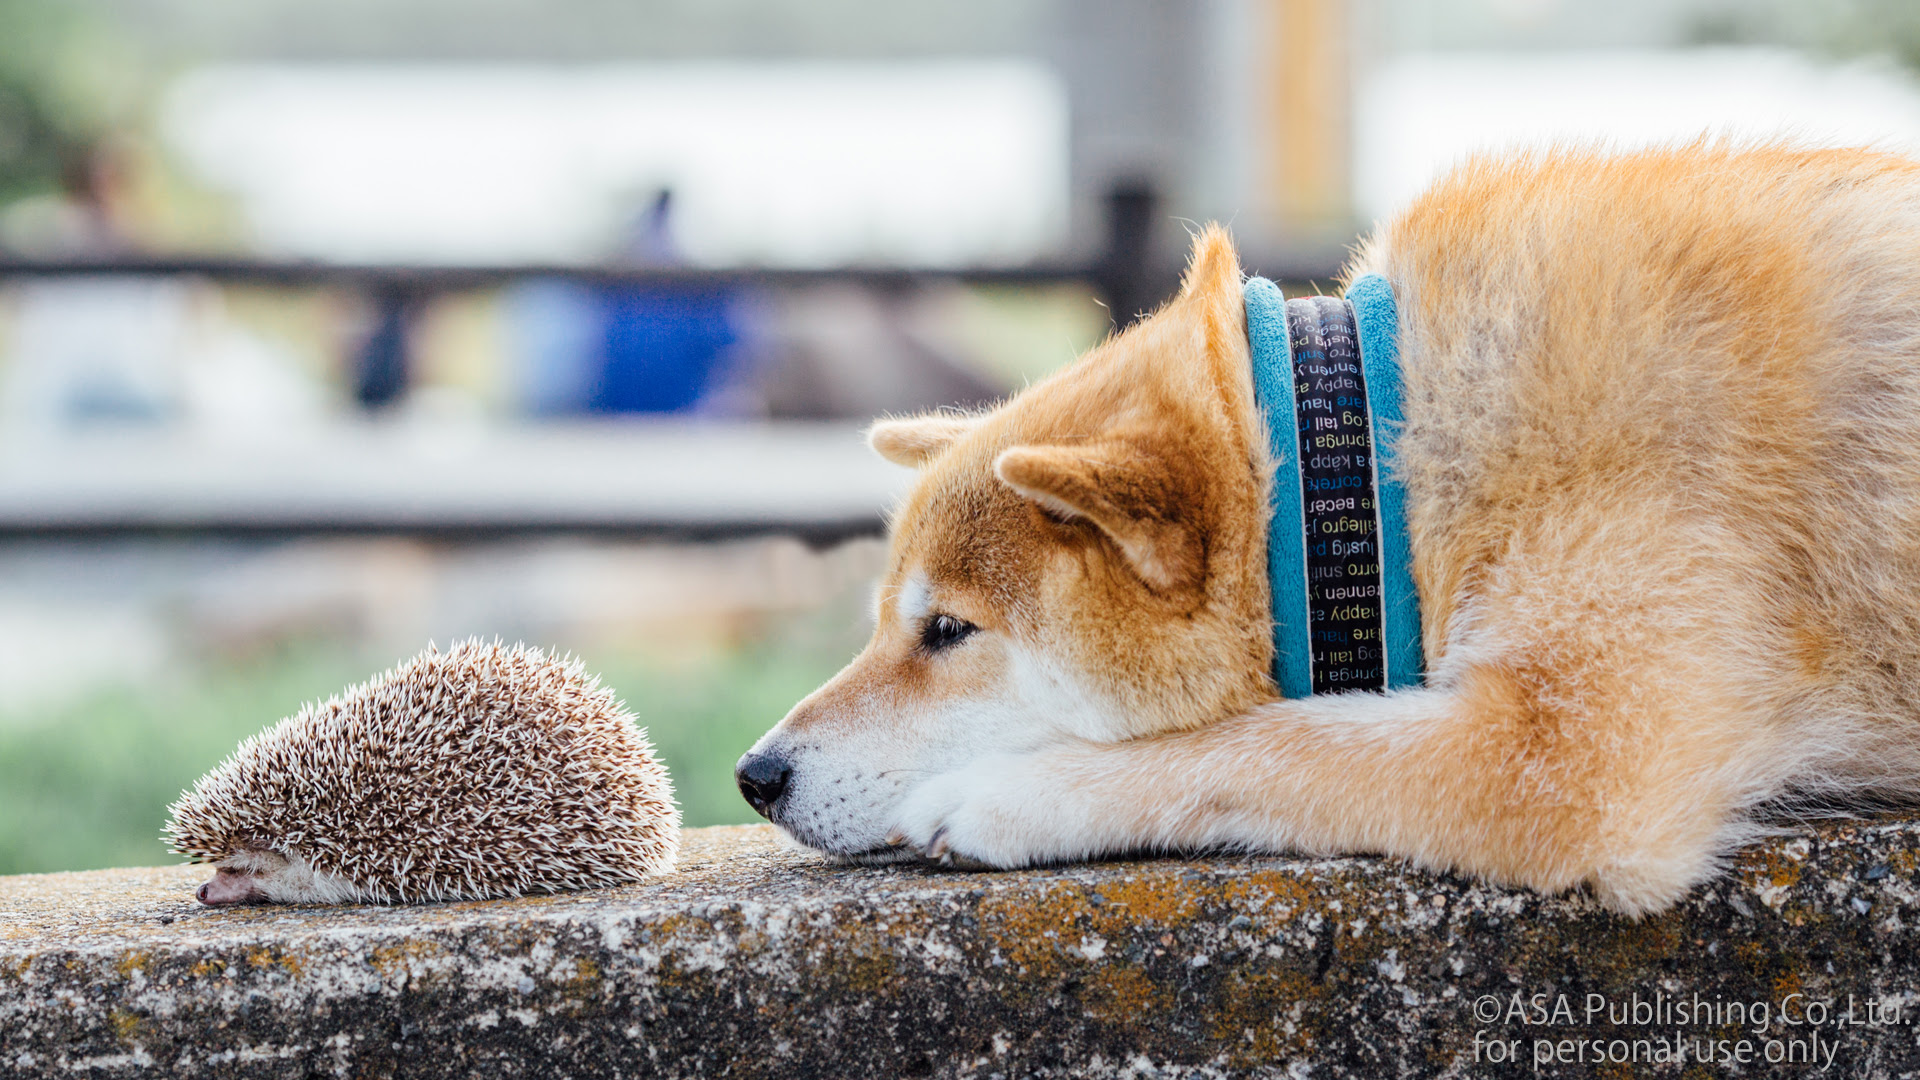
[(943, 631)]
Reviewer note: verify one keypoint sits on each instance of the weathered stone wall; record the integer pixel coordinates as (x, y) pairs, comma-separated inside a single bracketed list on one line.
[(755, 961)]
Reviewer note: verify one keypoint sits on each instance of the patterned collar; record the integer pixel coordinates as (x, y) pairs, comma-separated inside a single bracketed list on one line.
[(1326, 372)]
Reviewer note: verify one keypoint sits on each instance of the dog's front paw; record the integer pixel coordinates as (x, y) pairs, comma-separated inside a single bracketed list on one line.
[(994, 815), (944, 820)]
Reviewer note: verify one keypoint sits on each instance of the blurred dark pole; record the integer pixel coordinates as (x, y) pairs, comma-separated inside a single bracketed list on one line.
[(380, 374), (1123, 274)]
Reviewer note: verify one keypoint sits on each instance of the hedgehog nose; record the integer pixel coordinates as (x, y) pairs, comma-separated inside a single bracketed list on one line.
[(763, 779)]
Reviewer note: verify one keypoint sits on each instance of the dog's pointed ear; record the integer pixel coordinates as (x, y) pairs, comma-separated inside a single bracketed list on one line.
[(1213, 296), (914, 440), (1139, 499), (1213, 269)]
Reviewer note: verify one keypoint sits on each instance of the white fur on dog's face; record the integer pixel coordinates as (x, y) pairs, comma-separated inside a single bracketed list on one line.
[(860, 744)]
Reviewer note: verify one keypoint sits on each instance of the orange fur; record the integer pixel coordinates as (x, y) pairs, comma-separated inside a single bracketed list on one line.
[(1662, 452)]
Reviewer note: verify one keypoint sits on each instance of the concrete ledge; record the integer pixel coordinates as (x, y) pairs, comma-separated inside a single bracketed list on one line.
[(756, 961)]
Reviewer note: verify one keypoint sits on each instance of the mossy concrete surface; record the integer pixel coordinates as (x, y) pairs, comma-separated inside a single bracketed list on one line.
[(757, 961)]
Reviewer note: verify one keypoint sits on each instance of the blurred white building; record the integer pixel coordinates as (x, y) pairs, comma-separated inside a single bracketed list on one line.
[(789, 164)]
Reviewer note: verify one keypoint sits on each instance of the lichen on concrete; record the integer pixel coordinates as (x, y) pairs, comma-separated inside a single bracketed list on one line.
[(755, 960)]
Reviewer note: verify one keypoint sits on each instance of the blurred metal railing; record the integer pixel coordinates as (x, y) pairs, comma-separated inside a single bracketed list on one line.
[(681, 480)]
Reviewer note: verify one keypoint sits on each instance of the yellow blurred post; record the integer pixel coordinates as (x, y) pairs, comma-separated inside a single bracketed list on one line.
[(1310, 86)]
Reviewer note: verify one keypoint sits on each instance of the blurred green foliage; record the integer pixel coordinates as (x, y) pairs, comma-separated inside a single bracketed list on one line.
[(1839, 28), (39, 136), (88, 785), (1870, 27)]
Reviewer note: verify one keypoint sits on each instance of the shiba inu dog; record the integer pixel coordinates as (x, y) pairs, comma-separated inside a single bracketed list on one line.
[(1661, 449)]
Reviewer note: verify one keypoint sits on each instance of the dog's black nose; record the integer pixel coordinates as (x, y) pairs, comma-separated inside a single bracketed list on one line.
[(763, 778)]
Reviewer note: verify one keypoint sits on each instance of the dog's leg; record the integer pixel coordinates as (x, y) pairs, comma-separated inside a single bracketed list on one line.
[(1505, 774)]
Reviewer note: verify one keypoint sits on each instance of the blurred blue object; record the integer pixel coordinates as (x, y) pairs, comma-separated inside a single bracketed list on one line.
[(618, 349), (661, 348)]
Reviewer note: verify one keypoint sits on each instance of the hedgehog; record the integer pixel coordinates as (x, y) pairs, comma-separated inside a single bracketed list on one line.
[(479, 772)]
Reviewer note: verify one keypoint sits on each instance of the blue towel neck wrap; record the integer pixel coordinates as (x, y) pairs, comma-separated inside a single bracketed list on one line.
[(1326, 373)]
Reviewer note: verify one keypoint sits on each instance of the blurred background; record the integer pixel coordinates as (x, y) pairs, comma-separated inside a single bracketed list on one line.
[(327, 330)]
